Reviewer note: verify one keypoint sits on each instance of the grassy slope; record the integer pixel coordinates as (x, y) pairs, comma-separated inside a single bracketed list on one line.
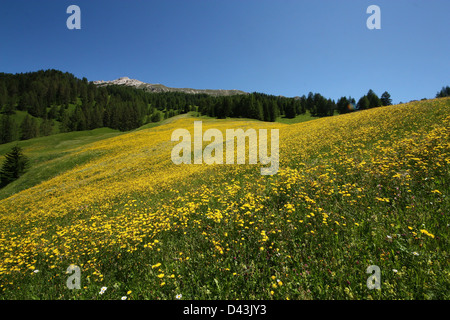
[(52, 155), (368, 188), (298, 119)]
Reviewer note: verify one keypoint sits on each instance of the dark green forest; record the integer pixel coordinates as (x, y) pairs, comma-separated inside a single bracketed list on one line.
[(50, 101), (445, 92)]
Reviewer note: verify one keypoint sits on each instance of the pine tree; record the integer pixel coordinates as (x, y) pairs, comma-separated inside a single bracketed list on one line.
[(273, 111), (34, 128), (8, 108), (386, 99), (259, 111), (310, 102), (3, 94), (363, 103), (266, 110), (156, 117), (25, 129), (53, 112), (342, 105), (374, 101), (226, 107), (46, 127), (331, 106), (78, 120), (219, 108), (6, 129), (64, 126), (98, 117), (445, 92), (13, 167), (23, 102), (290, 110)]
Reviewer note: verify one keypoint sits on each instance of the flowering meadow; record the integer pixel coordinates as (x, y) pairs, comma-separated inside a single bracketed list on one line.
[(355, 190)]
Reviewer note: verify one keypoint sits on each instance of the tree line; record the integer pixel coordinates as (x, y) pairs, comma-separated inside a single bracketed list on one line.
[(268, 107), (53, 101), (445, 92)]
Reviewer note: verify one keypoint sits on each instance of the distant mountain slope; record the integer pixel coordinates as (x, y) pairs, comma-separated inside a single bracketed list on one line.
[(125, 81)]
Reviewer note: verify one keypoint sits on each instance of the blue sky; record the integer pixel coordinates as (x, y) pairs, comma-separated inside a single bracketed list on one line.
[(281, 47)]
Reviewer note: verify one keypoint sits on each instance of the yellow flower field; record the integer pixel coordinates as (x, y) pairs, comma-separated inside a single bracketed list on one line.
[(347, 190)]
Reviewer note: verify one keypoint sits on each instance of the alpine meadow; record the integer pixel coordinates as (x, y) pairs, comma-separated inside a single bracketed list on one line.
[(225, 158), (354, 190)]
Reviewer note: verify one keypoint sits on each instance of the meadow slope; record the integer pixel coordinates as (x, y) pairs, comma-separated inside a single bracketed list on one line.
[(355, 190)]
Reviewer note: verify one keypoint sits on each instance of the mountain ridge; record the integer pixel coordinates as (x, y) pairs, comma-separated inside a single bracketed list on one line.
[(157, 87)]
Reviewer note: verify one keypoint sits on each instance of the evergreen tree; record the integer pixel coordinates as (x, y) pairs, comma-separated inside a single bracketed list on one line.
[(374, 101), (107, 114), (26, 131), (8, 108), (342, 105), (3, 95), (363, 103), (445, 92), (226, 107), (83, 94), (78, 120), (331, 106), (156, 117), (34, 130), (219, 108), (273, 111), (53, 112), (13, 167), (299, 105), (310, 101), (352, 103), (97, 117), (321, 106), (64, 125), (259, 111), (290, 110), (386, 99), (6, 129), (265, 110), (23, 102), (46, 127)]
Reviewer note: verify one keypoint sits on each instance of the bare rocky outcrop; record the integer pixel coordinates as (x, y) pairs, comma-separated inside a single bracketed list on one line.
[(125, 81)]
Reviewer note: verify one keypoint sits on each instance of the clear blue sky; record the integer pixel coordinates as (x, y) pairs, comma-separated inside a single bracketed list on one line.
[(281, 47)]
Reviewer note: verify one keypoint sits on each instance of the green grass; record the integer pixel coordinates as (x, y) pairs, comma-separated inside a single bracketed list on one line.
[(298, 119), (303, 257), (51, 155)]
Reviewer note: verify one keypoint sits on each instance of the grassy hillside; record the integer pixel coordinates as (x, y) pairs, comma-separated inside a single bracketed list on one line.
[(298, 119), (355, 190), (51, 155)]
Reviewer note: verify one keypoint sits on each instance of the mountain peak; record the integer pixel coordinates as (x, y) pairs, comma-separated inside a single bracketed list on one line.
[(162, 88), (120, 81)]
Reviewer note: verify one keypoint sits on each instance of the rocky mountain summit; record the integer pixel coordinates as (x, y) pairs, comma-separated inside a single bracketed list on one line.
[(125, 81), (121, 81)]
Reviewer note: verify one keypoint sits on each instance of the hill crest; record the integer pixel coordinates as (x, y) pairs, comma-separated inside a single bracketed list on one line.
[(126, 81)]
